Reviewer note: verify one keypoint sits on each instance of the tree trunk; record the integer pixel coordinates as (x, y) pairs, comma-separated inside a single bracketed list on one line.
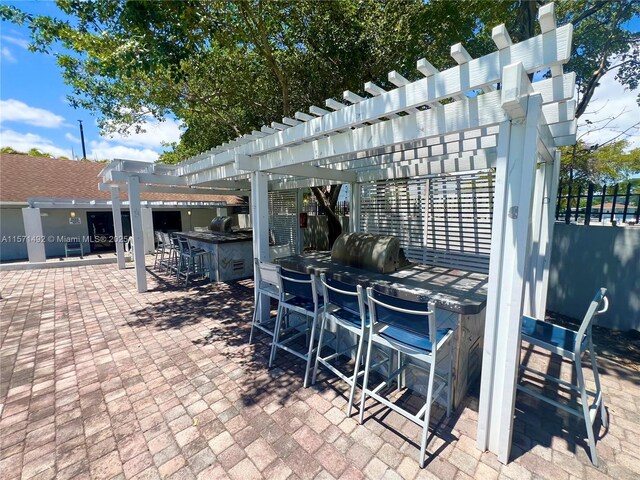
[(328, 198)]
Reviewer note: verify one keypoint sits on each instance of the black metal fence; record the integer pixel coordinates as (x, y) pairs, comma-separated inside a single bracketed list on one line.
[(314, 208), (594, 203)]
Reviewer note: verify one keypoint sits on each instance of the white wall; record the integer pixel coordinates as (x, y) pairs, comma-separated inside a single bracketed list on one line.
[(585, 258), (55, 222), (11, 225)]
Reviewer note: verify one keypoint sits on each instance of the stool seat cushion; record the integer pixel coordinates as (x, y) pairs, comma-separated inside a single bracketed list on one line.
[(410, 339), (548, 333)]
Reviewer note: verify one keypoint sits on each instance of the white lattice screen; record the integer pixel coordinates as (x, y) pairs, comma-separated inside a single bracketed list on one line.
[(443, 221), (396, 207), (283, 217)]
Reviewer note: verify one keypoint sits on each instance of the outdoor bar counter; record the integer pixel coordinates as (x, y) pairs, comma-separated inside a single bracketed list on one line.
[(460, 299), (230, 254)]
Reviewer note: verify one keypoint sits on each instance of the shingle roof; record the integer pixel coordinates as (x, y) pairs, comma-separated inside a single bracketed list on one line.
[(23, 177)]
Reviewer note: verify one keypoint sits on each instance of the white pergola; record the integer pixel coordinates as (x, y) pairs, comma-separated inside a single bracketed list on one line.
[(484, 113)]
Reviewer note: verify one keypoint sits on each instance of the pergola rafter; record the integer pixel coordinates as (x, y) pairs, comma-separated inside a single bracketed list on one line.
[(410, 131)]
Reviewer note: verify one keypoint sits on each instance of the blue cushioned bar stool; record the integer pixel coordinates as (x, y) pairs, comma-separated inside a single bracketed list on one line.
[(570, 345), (267, 282), (297, 295), (409, 329), (344, 307)]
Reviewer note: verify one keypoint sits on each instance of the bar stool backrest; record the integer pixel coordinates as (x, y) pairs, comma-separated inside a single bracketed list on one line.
[(267, 275), (184, 245), (406, 314), (587, 321), (298, 284), (165, 239), (343, 295)]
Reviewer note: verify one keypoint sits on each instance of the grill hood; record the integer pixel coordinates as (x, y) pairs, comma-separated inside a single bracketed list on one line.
[(376, 253)]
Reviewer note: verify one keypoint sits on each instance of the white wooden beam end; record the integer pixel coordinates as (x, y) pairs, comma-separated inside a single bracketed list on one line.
[(318, 111), (501, 37), (515, 90), (547, 17), (304, 117), (334, 104)]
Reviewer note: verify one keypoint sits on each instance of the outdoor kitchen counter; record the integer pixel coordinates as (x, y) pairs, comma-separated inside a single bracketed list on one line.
[(460, 299), (218, 237), (230, 254), (454, 290)]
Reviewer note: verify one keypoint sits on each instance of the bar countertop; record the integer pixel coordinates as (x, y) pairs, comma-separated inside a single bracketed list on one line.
[(219, 237), (454, 290)]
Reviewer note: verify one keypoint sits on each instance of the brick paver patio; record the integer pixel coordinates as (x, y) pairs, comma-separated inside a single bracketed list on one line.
[(100, 382)]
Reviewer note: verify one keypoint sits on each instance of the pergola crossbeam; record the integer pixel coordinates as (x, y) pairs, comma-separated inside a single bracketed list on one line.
[(552, 48)]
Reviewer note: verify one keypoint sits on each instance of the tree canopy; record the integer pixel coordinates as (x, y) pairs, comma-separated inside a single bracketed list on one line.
[(225, 67)]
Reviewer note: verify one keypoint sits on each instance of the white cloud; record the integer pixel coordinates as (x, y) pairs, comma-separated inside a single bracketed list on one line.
[(156, 133), (7, 55), (23, 142), (71, 138), (104, 150), (611, 101), (22, 43), (16, 111)]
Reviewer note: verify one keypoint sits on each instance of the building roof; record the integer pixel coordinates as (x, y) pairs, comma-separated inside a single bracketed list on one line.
[(23, 177)]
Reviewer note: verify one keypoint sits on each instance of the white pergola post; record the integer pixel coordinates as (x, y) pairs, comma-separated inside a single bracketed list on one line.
[(117, 226), (536, 264), (543, 220), (146, 214), (260, 222), (515, 175), (552, 178), (354, 207), (299, 209), (33, 232), (138, 235)]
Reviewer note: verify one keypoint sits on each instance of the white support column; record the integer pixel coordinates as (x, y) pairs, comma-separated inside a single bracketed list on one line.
[(299, 209), (117, 226), (260, 222), (138, 235), (354, 207), (516, 165), (33, 233), (552, 177), (147, 229), (536, 265)]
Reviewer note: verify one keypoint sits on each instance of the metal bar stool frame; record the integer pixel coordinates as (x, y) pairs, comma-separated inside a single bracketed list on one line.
[(380, 334), (570, 345), (266, 279), (339, 299), (161, 247), (188, 257), (298, 294)]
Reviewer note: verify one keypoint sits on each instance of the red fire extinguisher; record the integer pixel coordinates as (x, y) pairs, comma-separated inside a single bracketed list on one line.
[(303, 220)]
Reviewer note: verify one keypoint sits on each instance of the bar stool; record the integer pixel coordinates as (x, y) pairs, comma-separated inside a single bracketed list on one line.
[(161, 248), (167, 258), (267, 283), (409, 329), (190, 260), (297, 295), (344, 306), (571, 346)]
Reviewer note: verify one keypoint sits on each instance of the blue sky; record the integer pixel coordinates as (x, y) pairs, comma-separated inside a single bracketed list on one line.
[(34, 112)]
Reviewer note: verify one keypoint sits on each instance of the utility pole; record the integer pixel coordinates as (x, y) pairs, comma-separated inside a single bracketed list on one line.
[(84, 152)]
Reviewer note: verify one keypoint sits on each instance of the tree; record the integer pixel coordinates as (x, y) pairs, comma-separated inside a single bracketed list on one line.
[(599, 164), (224, 67)]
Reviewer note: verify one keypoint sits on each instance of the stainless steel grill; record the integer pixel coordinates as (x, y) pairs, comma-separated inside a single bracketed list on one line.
[(220, 224), (376, 253)]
